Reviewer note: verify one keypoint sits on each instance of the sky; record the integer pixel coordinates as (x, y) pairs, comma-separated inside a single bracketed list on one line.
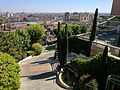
[(55, 6)]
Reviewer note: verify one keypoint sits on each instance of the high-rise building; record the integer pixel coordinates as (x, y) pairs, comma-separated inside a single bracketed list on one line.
[(67, 16), (115, 7)]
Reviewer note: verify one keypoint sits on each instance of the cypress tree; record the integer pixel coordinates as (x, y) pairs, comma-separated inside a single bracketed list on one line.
[(118, 42), (105, 55), (62, 44), (58, 42), (94, 27), (66, 43), (58, 36), (93, 32), (102, 74)]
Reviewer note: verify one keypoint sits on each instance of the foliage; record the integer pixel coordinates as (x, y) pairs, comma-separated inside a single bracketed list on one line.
[(87, 82), (73, 29), (78, 46), (89, 66), (37, 47), (118, 42), (62, 45), (94, 65), (84, 28), (9, 73), (2, 20), (36, 32), (24, 20), (24, 38), (75, 44), (94, 27), (15, 43), (30, 53)]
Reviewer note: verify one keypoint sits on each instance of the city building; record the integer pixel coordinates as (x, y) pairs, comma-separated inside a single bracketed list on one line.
[(67, 16), (115, 7), (76, 17)]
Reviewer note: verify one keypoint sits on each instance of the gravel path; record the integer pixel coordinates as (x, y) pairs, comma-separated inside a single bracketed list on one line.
[(36, 73)]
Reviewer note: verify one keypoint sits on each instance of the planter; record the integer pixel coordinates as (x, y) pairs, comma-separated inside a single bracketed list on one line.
[(64, 85)]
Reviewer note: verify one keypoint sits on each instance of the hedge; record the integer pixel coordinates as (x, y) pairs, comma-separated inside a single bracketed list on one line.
[(79, 46), (89, 66), (9, 73), (94, 65)]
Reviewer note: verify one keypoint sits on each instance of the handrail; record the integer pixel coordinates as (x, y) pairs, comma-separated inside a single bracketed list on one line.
[(107, 20), (114, 79)]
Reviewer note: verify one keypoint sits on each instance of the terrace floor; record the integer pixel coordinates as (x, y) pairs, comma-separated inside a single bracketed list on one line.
[(36, 73)]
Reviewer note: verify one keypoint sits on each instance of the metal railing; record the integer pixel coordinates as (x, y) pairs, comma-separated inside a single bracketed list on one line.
[(113, 82)]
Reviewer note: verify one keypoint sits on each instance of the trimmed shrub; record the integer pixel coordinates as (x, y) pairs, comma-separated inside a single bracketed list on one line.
[(30, 53), (94, 65), (9, 73), (89, 66), (37, 48)]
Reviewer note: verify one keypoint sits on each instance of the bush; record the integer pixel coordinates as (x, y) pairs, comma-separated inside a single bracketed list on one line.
[(37, 48), (15, 43), (30, 53), (9, 73)]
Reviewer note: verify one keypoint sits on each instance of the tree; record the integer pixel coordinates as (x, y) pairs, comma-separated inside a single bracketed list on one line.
[(105, 55), (102, 73), (93, 32), (24, 38), (73, 29), (15, 43), (94, 27), (37, 33), (2, 20), (118, 42), (59, 44), (62, 45), (83, 28)]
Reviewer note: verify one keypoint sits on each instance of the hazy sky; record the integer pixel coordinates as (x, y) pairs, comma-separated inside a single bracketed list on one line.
[(55, 5)]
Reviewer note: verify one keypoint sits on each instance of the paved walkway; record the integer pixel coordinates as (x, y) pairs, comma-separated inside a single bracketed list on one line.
[(37, 74)]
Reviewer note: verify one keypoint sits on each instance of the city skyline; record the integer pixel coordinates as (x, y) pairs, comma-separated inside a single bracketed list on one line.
[(48, 6)]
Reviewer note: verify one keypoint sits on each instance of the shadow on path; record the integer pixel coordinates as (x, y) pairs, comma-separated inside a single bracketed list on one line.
[(52, 47), (41, 62), (42, 76)]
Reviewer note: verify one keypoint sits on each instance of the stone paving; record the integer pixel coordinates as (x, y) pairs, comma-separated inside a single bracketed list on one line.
[(36, 73)]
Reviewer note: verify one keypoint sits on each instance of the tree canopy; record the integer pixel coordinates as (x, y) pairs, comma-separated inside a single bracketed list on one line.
[(2, 20), (36, 32), (73, 29)]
